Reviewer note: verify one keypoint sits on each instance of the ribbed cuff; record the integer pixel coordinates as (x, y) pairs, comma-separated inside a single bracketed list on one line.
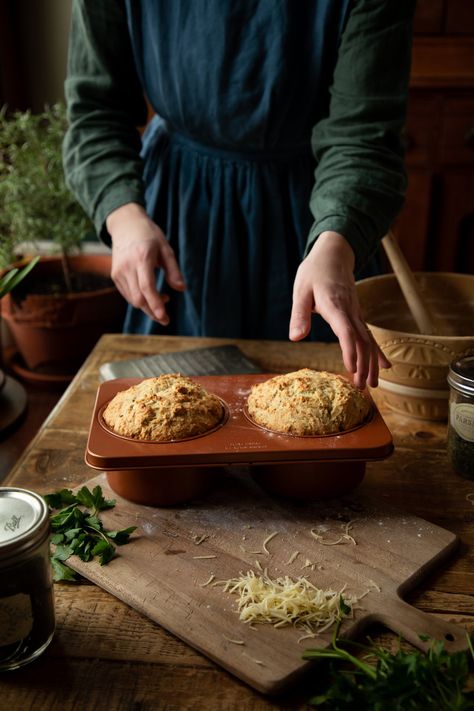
[(117, 195), (363, 249)]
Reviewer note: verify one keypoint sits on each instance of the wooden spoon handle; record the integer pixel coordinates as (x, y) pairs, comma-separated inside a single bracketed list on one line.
[(409, 286)]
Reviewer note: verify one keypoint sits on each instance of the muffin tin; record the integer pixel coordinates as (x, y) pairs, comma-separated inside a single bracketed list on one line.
[(168, 473)]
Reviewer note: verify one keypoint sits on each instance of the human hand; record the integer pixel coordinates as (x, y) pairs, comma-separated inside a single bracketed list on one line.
[(325, 284), (138, 247)]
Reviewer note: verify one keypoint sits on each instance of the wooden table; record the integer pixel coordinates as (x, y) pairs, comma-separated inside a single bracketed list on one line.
[(106, 655)]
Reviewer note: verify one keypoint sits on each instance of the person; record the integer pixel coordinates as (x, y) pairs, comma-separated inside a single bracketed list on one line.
[(268, 174)]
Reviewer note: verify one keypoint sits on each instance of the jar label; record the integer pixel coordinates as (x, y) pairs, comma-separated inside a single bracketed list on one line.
[(16, 618), (462, 420)]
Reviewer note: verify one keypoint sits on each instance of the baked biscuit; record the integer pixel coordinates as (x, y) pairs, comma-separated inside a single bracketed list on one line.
[(307, 402), (169, 407)]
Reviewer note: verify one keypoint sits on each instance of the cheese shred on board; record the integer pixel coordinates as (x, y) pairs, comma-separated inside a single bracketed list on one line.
[(283, 601)]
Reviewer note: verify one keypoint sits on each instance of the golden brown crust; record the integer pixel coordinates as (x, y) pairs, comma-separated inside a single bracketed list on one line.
[(169, 407), (307, 402)]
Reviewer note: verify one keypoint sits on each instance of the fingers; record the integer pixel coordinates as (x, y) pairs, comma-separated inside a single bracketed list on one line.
[(151, 301), (364, 344), (300, 320), (370, 358), (147, 299), (170, 266), (342, 328), (139, 247), (336, 301)]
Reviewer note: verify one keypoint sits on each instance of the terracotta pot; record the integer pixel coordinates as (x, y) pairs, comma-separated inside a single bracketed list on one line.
[(55, 333), (416, 384)]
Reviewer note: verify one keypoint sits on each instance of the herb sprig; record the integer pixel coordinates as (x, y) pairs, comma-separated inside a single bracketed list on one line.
[(404, 681), (78, 530)]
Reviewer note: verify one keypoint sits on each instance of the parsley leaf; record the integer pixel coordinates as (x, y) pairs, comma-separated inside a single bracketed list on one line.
[(77, 529), (404, 681)]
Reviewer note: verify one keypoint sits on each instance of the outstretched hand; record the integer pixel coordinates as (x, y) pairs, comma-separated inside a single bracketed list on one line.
[(139, 247), (325, 284)]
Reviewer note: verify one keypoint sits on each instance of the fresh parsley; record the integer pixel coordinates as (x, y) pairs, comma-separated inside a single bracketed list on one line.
[(77, 529), (404, 681)]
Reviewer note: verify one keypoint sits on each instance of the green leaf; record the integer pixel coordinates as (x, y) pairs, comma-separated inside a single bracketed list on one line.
[(107, 555), (62, 552), (64, 497), (100, 503), (94, 522), (61, 571), (9, 280), (85, 497), (121, 537), (404, 681), (78, 530), (71, 533), (63, 517), (343, 607), (101, 546)]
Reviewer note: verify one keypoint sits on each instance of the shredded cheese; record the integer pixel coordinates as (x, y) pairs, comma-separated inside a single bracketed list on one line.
[(345, 537), (267, 540), (374, 585), (203, 557), (234, 641), (257, 661), (283, 601), (203, 585), (292, 558)]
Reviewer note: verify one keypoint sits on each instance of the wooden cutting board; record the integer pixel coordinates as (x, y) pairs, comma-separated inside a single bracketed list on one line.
[(163, 570)]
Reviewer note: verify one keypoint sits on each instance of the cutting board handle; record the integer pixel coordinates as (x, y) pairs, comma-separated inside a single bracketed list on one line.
[(410, 623)]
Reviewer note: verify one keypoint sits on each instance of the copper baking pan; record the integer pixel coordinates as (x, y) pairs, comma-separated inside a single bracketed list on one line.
[(237, 441), (191, 465)]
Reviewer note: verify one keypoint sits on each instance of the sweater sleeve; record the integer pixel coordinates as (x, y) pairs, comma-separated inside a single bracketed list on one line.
[(106, 104), (360, 178)]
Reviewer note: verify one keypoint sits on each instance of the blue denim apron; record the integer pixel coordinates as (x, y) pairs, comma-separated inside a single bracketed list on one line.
[(237, 87)]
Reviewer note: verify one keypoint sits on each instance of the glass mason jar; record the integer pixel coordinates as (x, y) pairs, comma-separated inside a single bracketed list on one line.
[(461, 416), (26, 587)]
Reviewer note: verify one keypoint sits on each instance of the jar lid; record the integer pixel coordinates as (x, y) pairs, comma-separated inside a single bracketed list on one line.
[(24, 521), (461, 375)]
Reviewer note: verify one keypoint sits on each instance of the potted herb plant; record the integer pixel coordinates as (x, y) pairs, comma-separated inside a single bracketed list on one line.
[(13, 396), (58, 312)]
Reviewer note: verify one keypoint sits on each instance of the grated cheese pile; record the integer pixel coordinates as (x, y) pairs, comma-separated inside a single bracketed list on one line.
[(283, 601)]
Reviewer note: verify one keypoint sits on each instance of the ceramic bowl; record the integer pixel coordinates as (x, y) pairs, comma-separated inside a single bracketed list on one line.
[(416, 383)]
